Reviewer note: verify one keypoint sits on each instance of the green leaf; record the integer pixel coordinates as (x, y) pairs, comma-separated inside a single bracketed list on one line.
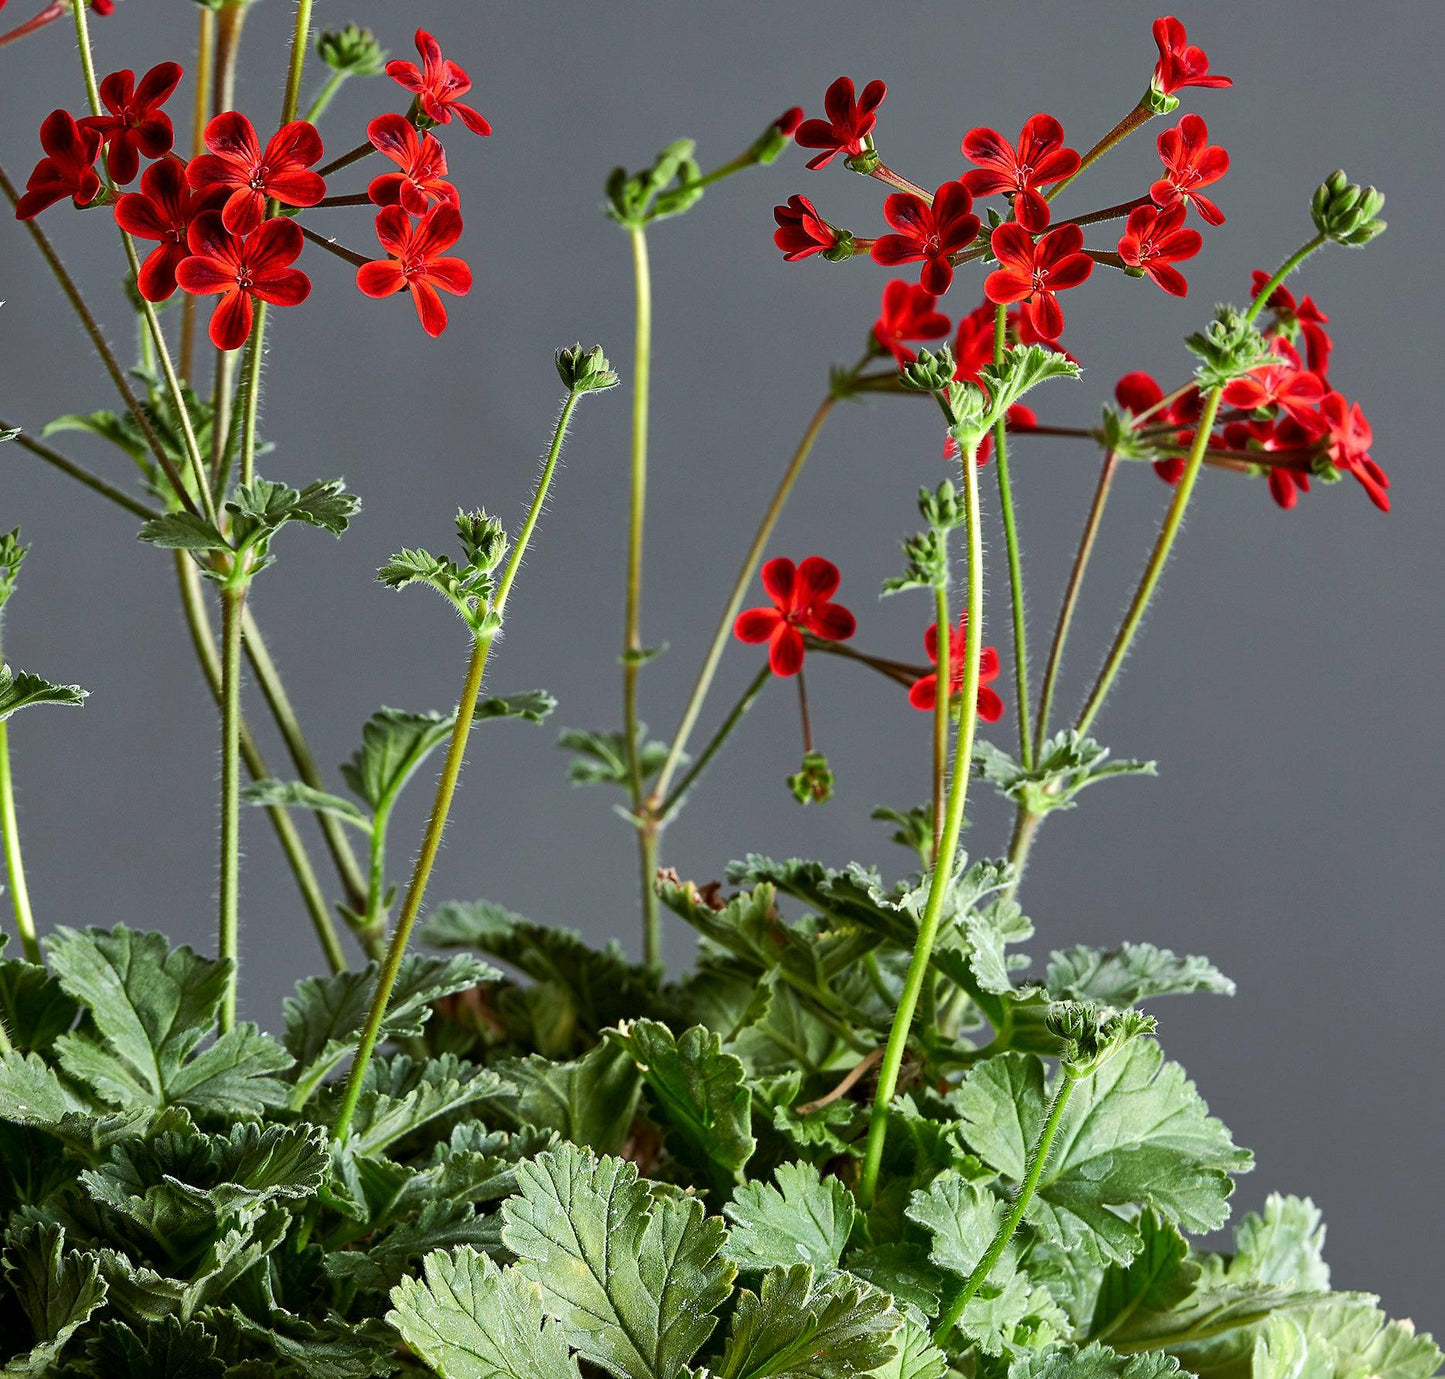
[(393, 744), (1159, 1278), (601, 758), (914, 829), (388, 1256), (801, 1216), (57, 1290), (1284, 1245), (295, 794), (167, 1349), (989, 932), (917, 1357), (34, 1007), (32, 1094), (401, 1094), (633, 1275), (1068, 764), (470, 1320), (1131, 973), (123, 434), (1096, 1362), (21, 689), (532, 706), (591, 1101), (263, 507), (183, 531), (1023, 367)]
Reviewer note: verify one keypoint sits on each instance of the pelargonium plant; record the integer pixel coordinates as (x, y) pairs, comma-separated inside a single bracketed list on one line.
[(861, 1136)]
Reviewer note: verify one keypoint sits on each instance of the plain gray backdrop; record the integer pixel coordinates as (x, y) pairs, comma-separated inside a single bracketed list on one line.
[(1287, 679)]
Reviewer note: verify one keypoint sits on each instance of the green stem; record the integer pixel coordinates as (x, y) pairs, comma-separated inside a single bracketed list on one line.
[(300, 42), (373, 932), (82, 475), (941, 702), (670, 806), (200, 110), (324, 97), (14, 866), (947, 851), (252, 397), (232, 600), (1285, 269), (223, 392)]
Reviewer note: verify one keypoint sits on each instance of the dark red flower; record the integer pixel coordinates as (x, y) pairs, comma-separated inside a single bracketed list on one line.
[(1180, 63), (1154, 240), (973, 346), (930, 233), (1190, 162), (923, 693), (423, 164), (256, 267), (1349, 446), (1138, 393), (1285, 484), (1039, 159), (418, 262), (787, 123), (1302, 316), (849, 122), (68, 169), (283, 172), (802, 602), (907, 313), (801, 230), (136, 124), (438, 85), (1033, 273), (163, 210), (1285, 385)]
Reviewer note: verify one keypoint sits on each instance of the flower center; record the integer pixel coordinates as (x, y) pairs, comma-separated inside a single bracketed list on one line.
[(259, 174)]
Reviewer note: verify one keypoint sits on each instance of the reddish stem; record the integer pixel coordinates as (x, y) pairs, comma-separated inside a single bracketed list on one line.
[(340, 250), (47, 15)]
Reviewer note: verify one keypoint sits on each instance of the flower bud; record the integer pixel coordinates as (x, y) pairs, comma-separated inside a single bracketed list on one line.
[(1162, 102), (931, 372), (773, 142), (1228, 348), (352, 51), (813, 784), (585, 371), (1345, 212), (483, 538)]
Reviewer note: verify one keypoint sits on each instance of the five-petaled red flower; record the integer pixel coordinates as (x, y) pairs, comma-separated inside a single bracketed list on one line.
[(850, 121), (1190, 162), (1180, 63), (438, 84), (923, 693), (801, 230), (1285, 385), (236, 160), (418, 261), (423, 164), (1154, 240), (68, 169), (802, 598), (930, 233), (136, 123), (1139, 393), (162, 210), (1349, 446), (1303, 316), (1039, 159), (1034, 273), (240, 269), (907, 313)]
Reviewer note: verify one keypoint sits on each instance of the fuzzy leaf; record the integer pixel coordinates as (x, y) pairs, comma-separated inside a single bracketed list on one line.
[(531, 706), (107, 425), (1096, 1362), (262, 507), (1159, 1278), (57, 1292), (296, 794), (916, 1358), (1131, 973), (393, 744), (20, 689), (401, 1094), (805, 1218), (33, 1005), (390, 1255), (601, 758), (183, 531), (1284, 1245), (1068, 763), (167, 1349), (590, 1101)]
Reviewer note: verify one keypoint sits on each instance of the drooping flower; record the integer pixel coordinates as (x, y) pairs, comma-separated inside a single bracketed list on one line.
[(417, 260), (243, 270), (163, 210), (1302, 316), (801, 230), (802, 598), (1138, 393), (1350, 437), (1034, 273), (423, 164), (923, 693), (1155, 240), (907, 313), (438, 84), (930, 233), (1181, 63), (282, 172), (1285, 385), (1261, 437), (68, 168), (1190, 162), (850, 121), (1039, 159), (136, 123)]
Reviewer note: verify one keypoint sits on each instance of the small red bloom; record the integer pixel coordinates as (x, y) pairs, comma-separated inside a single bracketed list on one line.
[(1154, 240), (923, 693), (1034, 273), (163, 210), (1180, 63), (787, 123), (257, 266), (907, 313), (136, 124), (1285, 385), (282, 172), (1303, 316), (1190, 162), (423, 164), (849, 122), (973, 347), (801, 230), (930, 233), (418, 262), (438, 85), (802, 602), (1349, 446), (1285, 484), (1138, 393), (68, 169), (1039, 159)]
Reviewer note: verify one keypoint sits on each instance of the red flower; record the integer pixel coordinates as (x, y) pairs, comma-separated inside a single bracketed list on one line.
[(438, 85), (1153, 240), (849, 122), (1349, 446), (162, 210), (68, 169), (1039, 159), (802, 602), (973, 347), (257, 266), (1180, 63), (1303, 316), (1285, 484), (1190, 162), (418, 262), (423, 164), (1139, 393), (930, 233), (282, 172), (1285, 385), (801, 230), (136, 123), (787, 123), (923, 693), (907, 313), (1034, 273)]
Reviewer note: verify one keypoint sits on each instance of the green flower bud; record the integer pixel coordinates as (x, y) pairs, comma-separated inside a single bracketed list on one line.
[(931, 372), (941, 507), (813, 784), (1345, 212), (585, 371), (1161, 102), (774, 141), (1089, 1035), (483, 538), (1228, 348), (352, 51)]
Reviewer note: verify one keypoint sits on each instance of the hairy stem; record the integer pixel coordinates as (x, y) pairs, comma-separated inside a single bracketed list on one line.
[(1139, 116), (200, 113), (670, 806), (228, 923), (82, 475), (14, 865), (941, 698), (300, 42)]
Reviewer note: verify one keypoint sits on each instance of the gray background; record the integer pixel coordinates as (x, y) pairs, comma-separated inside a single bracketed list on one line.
[(1287, 680)]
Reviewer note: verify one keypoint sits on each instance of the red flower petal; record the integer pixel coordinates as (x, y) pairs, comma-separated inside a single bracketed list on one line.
[(756, 625), (785, 650), (779, 578), (231, 320), (381, 278)]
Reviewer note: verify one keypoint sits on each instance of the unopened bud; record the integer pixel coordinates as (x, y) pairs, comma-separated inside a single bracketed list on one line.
[(585, 371), (1345, 212), (352, 50)]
